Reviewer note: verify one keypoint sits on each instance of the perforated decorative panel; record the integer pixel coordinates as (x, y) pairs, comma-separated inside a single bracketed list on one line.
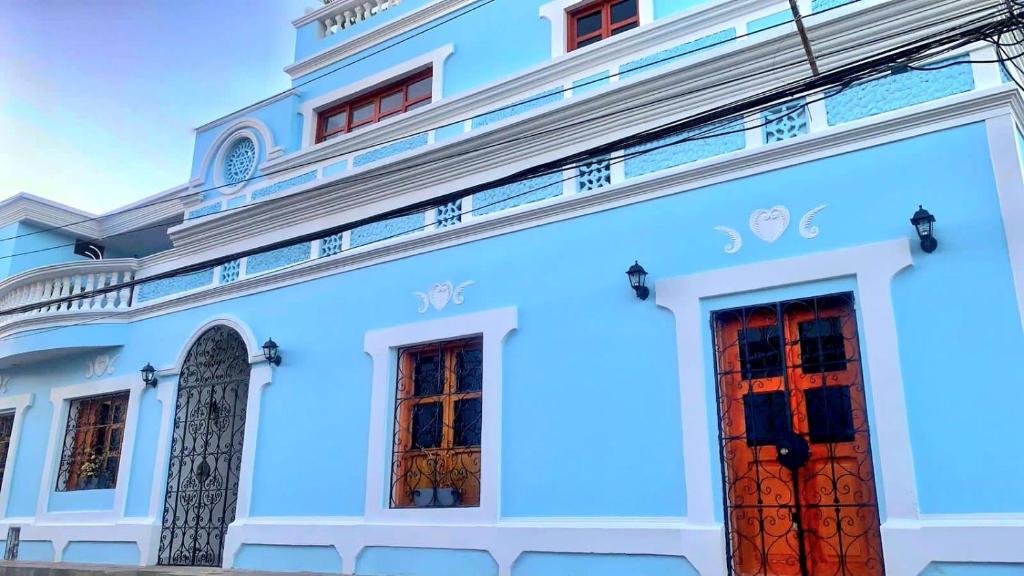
[(593, 175), (785, 122), (330, 245), (229, 272), (239, 161), (449, 214)]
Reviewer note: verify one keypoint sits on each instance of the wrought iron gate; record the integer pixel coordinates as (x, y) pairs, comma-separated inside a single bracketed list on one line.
[(206, 450), (798, 480)]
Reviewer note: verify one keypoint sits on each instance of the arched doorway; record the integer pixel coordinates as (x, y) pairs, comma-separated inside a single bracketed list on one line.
[(206, 450)]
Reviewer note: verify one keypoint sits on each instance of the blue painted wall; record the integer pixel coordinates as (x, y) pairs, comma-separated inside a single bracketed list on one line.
[(599, 432)]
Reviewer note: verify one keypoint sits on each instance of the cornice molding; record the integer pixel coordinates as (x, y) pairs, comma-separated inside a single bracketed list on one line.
[(371, 37), (558, 72), (527, 140), (901, 124), (29, 207)]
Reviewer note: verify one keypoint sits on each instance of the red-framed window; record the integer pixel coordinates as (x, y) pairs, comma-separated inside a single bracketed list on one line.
[(404, 95), (599, 20)]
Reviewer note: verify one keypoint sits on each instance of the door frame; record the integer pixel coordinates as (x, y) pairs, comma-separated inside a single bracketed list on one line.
[(260, 376), (872, 267)]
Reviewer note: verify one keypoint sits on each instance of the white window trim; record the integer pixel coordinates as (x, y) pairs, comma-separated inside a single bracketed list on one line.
[(435, 59), (381, 345), (18, 404), (873, 266), (61, 399), (1009, 175), (556, 12)]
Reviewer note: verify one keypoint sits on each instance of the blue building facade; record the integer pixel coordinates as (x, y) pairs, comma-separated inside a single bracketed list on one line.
[(464, 382)]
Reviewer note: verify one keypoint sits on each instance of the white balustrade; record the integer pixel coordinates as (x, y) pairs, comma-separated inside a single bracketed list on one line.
[(344, 14), (59, 282)]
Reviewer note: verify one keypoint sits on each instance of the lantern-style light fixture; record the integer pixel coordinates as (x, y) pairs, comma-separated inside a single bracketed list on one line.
[(271, 352), (924, 223), (148, 375), (638, 280)]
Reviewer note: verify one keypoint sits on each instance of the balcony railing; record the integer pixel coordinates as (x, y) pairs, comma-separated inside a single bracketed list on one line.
[(48, 283), (347, 13)]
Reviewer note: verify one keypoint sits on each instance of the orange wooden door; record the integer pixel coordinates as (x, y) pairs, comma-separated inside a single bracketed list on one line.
[(790, 385)]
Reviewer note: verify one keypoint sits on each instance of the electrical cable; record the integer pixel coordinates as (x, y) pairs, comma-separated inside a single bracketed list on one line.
[(547, 94), (859, 69)]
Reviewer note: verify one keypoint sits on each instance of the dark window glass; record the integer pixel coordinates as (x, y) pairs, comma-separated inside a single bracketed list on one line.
[(767, 417), (593, 40), (623, 10), (426, 425), (469, 364), (420, 89), (588, 24), (829, 414), (760, 352), (468, 416), (362, 112), (625, 28), (822, 347), (429, 375), (391, 102), (334, 123)]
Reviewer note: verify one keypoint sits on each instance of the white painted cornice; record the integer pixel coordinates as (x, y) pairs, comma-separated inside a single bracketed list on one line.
[(699, 84), (930, 117), (556, 73), (29, 207), (371, 37)]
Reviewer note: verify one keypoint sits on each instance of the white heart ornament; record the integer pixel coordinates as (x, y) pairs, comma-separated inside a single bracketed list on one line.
[(440, 294), (769, 225)]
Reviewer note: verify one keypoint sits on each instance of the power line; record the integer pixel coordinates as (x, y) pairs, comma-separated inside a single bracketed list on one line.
[(358, 179), (546, 94), (842, 77)]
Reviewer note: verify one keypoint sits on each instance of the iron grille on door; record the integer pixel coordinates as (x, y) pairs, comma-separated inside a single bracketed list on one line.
[(206, 450), (798, 481)]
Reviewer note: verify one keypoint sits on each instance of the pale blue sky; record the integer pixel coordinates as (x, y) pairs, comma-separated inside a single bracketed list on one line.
[(98, 98)]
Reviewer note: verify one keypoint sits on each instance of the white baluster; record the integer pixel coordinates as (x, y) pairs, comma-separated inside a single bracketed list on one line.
[(65, 291), (76, 288), (126, 292), (348, 19), (90, 280), (96, 302)]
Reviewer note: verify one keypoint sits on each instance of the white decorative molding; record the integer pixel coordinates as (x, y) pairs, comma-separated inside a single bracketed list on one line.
[(372, 37), (873, 266), (494, 326), (61, 398), (1006, 164), (440, 295), (19, 404), (476, 158), (434, 59), (807, 228), (881, 129), (5, 381), (769, 224), (248, 126), (505, 540), (735, 239), (102, 365)]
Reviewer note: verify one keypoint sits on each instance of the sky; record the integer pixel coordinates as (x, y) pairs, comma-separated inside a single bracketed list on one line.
[(99, 98)]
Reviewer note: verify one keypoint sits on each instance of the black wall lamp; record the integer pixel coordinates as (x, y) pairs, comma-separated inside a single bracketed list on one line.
[(924, 223), (638, 280), (148, 375), (271, 351)]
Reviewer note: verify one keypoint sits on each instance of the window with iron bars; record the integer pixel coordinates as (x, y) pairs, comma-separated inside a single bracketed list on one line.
[(6, 428), (437, 427), (92, 442)]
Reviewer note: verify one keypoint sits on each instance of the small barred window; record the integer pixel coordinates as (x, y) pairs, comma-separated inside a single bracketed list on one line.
[(92, 442), (6, 428), (438, 425)]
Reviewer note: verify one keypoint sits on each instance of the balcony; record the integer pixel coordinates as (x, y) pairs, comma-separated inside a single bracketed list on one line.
[(48, 283)]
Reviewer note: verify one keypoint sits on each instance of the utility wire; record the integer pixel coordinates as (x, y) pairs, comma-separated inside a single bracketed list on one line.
[(545, 95), (843, 78), (407, 167)]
